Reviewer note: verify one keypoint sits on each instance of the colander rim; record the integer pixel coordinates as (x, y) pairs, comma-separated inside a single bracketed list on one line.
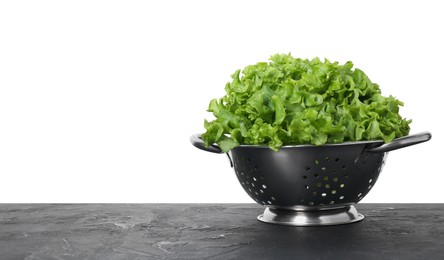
[(310, 145)]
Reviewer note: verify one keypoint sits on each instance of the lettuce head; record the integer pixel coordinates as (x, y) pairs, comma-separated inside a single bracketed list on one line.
[(292, 101)]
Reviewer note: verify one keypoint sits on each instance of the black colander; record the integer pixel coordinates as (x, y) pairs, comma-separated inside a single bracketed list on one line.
[(306, 185)]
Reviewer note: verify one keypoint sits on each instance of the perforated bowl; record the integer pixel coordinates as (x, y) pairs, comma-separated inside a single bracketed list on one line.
[(305, 185)]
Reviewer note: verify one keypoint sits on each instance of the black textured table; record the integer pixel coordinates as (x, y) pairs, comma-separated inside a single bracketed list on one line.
[(213, 231)]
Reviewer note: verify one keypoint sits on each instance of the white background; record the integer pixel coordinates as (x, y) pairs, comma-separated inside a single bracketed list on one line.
[(98, 98)]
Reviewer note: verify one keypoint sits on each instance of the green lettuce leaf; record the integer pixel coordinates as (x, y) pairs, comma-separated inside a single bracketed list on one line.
[(290, 101)]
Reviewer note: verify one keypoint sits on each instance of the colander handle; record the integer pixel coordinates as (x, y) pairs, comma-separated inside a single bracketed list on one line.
[(197, 141), (402, 142)]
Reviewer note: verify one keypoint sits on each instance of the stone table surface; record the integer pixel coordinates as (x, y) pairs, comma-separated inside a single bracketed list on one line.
[(213, 231)]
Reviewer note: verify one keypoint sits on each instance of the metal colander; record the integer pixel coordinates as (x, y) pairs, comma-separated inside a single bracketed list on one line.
[(306, 185)]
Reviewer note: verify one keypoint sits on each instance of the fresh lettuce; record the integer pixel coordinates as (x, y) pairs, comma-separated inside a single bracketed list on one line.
[(290, 101)]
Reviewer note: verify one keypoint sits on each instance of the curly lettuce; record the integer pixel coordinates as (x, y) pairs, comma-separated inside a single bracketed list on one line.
[(291, 101)]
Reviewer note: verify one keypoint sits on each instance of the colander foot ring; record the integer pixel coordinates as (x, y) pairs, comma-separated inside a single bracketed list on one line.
[(322, 217)]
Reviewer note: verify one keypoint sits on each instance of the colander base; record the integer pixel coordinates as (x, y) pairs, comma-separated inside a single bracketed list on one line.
[(323, 217)]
